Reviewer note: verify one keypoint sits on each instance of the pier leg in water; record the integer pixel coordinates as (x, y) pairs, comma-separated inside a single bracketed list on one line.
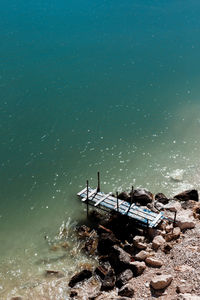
[(98, 186), (87, 197)]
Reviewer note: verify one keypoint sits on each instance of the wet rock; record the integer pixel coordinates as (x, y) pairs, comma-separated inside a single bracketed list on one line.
[(123, 278), (153, 262), (91, 243), (142, 196), (83, 231), (57, 274), (108, 283), (103, 269), (185, 220), (137, 267), (188, 195), (124, 196), (85, 274), (161, 281), (142, 255), (119, 259), (139, 242), (16, 298), (127, 291), (87, 290), (158, 242), (160, 197), (106, 241)]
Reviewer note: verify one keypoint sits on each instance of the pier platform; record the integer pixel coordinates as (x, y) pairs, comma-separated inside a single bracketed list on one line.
[(107, 202)]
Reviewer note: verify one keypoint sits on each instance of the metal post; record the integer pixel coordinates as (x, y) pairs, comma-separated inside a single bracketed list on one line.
[(98, 186), (87, 197), (174, 222), (117, 202), (132, 195)]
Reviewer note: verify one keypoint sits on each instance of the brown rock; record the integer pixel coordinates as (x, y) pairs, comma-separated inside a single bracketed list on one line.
[(161, 281), (142, 196), (160, 197), (137, 267), (119, 259), (139, 242), (108, 283), (182, 289), (142, 255), (57, 274), (174, 234), (188, 195), (106, 241), (124, 196), (158, 242), (153, 262)]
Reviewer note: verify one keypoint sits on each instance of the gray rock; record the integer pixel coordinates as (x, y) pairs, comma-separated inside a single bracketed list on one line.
[(124, 277), (161, 281), (142, 255), (137, 267), (139, 242), (158, 242), (153, 262), (185, 220)]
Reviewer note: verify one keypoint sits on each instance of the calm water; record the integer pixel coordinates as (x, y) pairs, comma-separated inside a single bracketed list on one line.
[(86, 86)]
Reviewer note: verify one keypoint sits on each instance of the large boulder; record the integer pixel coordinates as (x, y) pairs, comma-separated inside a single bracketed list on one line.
[(106, 241), (124, 196), (188, 195), (161, 281), (142, 196), (119, 259), (84, 274)]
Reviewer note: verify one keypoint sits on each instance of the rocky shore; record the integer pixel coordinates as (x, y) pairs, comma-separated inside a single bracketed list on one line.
[(142, 263), (134, 262)]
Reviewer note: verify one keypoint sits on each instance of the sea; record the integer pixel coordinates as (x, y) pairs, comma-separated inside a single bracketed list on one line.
[(86, 86)]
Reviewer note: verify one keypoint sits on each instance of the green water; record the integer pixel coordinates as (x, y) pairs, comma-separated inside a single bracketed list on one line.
[(90, 86)]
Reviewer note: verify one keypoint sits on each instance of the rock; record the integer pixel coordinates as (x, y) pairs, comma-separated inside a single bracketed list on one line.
[(185, 220), (167, 248), (188, 195), (85, 274), (141, 256), (108, 283), (106, 241), (173, 206), (139, 242), (160, 197), (124, 196), (124, 277), (196, 211), (16, 298), (126, 291), (142, 196), (87, 290), (83, 231), (91, 243), (153, 262), (103, 269), (57, 274), (119, 259), (182, 289), (158, 242), (173, 235), (187, 296), (177, 175), (137, 267), (161, 281)]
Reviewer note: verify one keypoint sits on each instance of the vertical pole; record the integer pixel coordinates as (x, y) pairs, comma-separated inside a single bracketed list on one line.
[(87, 197), (117, 203), (132, 195), (174, 222), (98, 186)]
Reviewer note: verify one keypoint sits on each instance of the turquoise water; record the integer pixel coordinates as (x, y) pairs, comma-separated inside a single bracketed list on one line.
[(90, 86)]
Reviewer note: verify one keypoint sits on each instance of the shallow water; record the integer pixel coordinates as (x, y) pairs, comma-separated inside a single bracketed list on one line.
[(90, 86)]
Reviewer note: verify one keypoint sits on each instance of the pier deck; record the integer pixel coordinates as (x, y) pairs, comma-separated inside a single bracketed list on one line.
[(109, 203)]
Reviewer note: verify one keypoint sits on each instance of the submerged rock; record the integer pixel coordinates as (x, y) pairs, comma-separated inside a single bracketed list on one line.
[(188, 195)]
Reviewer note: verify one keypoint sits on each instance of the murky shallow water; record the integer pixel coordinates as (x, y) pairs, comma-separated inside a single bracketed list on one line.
[(102, 86)]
